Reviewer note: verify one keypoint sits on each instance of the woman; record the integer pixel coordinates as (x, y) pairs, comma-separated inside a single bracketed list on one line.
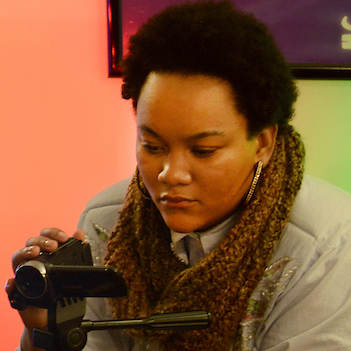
[(217, 216)]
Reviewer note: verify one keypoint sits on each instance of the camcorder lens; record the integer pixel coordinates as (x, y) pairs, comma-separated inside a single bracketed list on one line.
[(31, 282)]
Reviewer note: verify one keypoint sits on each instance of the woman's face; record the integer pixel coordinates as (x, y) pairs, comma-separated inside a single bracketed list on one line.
[(193, 150)]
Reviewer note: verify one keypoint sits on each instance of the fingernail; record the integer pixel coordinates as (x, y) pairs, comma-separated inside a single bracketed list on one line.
[(62, 235), (48, 243), (29, 249)]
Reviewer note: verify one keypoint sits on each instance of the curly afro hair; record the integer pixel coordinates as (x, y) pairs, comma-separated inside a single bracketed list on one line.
[(216, 39)]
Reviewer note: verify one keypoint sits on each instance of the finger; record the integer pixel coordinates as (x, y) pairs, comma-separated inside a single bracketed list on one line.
[(24, 254), (79, 234), (37, 244), (48, 239), (34, 317), (10, 285), (55, 234)]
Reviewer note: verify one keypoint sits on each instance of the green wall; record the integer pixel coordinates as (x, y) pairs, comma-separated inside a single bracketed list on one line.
[(323, 118)]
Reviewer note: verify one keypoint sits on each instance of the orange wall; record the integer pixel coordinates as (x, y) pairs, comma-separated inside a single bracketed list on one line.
[(66, 133)]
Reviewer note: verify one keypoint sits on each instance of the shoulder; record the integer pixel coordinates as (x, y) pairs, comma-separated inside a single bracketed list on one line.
[(104, 206), (100, 216), (322, 211), (317, 236), (317, 196), (309, 294), (111, 196)]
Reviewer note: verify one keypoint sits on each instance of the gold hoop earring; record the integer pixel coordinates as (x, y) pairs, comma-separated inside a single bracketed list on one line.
[(141, 185), (254, 182)]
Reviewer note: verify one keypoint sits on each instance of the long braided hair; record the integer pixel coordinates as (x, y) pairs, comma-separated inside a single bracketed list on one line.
[(224, 281)]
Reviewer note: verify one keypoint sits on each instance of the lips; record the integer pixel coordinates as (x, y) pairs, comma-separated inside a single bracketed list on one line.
[(175, 201)]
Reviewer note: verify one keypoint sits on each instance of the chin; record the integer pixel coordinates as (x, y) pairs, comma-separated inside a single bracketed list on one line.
[(181, 225), (181, 229)]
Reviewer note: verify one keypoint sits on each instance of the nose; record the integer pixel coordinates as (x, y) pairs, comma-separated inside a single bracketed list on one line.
[(175, 171)]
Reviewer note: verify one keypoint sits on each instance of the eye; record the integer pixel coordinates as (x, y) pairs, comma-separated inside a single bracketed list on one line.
[(203, 152), (151, 148)]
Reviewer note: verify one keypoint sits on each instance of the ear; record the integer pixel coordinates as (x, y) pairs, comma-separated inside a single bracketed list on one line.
[(265, 142)]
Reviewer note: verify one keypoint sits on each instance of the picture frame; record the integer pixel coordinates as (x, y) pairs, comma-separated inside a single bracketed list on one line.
[(313, 35)]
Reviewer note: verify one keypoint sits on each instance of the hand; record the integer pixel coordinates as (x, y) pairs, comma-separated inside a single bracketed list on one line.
[(48, 240)]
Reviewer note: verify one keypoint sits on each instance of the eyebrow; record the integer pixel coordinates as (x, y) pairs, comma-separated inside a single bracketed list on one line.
[(207, 134), (194, 137), (145, 128)]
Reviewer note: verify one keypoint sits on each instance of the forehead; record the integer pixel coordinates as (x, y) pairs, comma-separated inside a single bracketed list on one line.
[(187, 100), (197, 85)]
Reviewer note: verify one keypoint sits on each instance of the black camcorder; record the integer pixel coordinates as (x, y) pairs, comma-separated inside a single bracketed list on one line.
[(60, 281), (65, 272)]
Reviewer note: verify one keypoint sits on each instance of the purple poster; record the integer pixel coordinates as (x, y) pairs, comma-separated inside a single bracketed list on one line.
[(313, 35)]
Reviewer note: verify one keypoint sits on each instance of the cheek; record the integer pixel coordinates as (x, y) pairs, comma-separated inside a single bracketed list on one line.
[(230, 178), (148, 168), (143, 159), (139, 158)]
